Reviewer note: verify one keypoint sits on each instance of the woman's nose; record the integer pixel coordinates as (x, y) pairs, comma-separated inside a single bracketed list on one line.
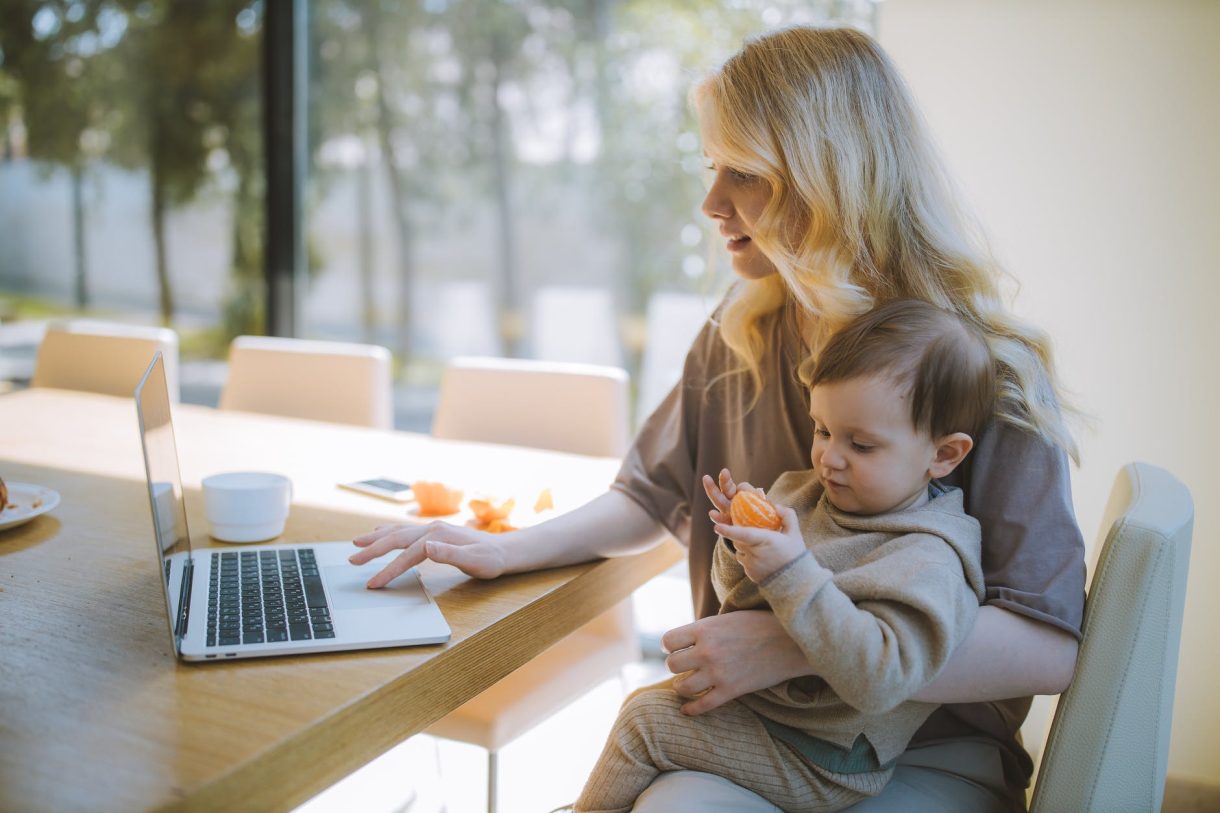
[(715, 204)]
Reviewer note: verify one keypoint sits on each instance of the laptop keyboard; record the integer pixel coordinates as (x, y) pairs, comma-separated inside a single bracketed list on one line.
[(265, 596)]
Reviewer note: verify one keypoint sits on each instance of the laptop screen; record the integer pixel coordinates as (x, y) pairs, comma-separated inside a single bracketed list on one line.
[(165, 492)]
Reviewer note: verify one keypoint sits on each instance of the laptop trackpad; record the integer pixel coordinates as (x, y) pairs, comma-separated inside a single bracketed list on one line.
[(346, 591)]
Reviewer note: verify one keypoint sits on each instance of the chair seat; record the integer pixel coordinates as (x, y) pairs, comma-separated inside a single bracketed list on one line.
[(541, 687)]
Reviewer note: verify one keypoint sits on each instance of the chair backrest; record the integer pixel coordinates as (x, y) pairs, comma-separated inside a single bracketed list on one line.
[(1109, 742), (105, 357), (338, 382), (580, 408)]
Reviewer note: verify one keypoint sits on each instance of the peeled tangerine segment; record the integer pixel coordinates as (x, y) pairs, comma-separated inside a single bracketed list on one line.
[(487, 512), (545, 501), (436, 499), (752, 509)]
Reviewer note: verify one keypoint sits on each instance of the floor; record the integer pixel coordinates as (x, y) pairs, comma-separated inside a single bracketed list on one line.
[(540, 771)]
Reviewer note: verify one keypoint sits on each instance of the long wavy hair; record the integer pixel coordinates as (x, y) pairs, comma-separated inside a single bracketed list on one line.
[(822, 116)]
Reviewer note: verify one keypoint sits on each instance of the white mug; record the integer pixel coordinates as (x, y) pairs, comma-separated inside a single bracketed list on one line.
[(246, 506)]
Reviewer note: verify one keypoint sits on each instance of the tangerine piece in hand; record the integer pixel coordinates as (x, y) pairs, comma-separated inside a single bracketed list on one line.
[(752, 509)]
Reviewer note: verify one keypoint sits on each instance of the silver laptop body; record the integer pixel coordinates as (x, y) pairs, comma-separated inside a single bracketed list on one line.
[(290, 599)]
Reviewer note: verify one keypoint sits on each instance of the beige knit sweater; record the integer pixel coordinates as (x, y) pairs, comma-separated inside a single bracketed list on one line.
[(877, 604)]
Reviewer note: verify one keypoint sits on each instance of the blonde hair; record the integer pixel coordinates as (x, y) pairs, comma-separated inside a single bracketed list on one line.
[(861, 210)]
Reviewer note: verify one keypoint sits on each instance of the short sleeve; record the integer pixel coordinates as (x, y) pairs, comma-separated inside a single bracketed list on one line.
[(707, 423), (1017, 486), (659, 468)]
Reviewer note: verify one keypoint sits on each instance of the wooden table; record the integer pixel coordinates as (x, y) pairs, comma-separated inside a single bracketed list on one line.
[(96, 712)]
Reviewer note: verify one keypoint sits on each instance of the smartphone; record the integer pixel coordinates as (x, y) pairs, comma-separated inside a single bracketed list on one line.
[(382, 487)]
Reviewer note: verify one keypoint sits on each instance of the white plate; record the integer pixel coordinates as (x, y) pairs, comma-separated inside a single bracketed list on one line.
[(26, 501)]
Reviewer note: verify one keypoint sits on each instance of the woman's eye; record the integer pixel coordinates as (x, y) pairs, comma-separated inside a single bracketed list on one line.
[(736, 174)]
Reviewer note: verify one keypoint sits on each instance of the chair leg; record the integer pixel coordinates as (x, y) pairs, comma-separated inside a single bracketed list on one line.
[(491, 781)]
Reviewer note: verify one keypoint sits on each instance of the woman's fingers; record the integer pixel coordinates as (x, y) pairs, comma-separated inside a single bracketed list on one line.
[(384, 539), (679, 638), (474, 552), (706, 701), (406, 560), (481, 560)]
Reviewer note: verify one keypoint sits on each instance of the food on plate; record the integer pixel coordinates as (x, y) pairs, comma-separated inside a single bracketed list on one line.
[(753, 509), (545, 501), (492, 517), (3, 495), (436, 499)]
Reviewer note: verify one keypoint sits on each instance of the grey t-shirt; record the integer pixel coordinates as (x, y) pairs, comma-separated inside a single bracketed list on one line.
[(1015, 484)]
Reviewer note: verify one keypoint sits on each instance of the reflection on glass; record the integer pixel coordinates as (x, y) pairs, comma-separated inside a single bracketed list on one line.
[(131, 164), (165, 515), (474, 160)]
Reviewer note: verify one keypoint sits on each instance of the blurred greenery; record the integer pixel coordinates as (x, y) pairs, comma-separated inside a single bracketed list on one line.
[(431, 95)]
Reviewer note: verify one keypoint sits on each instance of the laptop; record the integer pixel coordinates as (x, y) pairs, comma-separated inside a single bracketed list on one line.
[(254, 601)]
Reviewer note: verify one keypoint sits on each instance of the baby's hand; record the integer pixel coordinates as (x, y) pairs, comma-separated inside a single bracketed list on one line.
[(721, 494), (762, 551)]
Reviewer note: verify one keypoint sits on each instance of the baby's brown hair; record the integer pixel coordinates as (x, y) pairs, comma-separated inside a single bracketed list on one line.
[(943, 363)]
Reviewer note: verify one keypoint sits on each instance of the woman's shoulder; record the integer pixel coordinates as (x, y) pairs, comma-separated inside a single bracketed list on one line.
[(1004, 443)]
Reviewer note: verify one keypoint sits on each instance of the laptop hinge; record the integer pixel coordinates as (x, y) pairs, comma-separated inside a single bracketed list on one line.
[(184, 597)]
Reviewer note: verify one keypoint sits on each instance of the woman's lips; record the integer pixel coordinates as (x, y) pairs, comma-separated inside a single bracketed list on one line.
[(738, 243)]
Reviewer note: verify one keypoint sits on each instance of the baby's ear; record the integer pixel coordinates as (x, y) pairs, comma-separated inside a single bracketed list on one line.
[(950, 451)]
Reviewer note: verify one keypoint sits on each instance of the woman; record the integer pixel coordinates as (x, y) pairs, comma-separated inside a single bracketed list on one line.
[(830, 199)]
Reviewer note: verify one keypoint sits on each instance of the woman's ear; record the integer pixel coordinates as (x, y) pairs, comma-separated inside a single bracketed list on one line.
[(950, 451)]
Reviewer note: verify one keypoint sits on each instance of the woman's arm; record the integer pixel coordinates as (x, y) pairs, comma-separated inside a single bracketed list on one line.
[(610, 525), (1005, 655)]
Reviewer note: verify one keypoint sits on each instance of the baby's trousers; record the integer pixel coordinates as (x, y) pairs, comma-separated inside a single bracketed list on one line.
[(652, 735)]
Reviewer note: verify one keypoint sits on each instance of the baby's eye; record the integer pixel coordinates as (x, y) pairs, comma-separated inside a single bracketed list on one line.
[(862, 448), (820, 432)]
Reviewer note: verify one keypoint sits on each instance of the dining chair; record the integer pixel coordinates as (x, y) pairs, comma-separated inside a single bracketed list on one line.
[(1108, 744), (339, 382), (576, 408), (564, 406), (107, 357)]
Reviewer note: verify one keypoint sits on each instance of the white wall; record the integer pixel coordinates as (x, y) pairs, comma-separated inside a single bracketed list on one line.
[(1086, 136)]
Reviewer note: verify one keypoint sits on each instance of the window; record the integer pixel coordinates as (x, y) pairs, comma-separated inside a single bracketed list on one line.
[(132, 173), (483, 176)]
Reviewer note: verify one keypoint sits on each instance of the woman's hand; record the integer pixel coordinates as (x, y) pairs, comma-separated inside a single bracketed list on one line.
[(475, 553), (725, 656)]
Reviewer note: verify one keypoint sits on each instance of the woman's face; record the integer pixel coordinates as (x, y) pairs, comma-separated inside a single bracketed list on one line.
[(735, 201)]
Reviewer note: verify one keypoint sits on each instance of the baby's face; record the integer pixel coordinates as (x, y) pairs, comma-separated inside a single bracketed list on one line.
[(866, 452)]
